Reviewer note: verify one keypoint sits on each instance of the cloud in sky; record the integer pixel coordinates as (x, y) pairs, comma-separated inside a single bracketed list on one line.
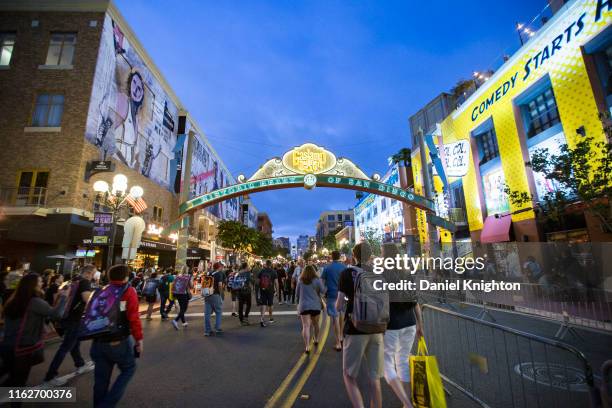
[(261, 77)]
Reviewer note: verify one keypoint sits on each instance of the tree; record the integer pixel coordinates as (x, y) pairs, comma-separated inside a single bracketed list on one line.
[(583, 175), (373, 238), (404, 155), (235, 236), (282, 251), (308, 254), (329, 241), (262, 245)]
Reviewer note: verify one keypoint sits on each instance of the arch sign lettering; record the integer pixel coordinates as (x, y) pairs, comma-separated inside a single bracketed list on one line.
[(311, 166)]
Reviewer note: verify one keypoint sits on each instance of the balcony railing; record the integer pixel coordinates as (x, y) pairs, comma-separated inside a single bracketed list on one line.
[(457, 215), (23, 196)]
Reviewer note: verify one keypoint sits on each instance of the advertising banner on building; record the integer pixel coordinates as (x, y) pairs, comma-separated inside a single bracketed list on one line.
[(208, 174), (131, 118)]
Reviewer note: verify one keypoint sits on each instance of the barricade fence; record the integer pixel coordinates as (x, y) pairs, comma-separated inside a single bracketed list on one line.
[(502, 367), (586, 307)]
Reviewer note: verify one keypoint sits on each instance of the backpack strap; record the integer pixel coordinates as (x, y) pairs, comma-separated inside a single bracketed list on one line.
[(22, 351)]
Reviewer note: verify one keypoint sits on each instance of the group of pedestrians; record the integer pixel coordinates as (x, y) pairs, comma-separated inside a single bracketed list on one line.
[(29, 311)]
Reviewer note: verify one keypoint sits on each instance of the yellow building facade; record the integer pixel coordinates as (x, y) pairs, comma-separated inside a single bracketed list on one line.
[(548, 93)]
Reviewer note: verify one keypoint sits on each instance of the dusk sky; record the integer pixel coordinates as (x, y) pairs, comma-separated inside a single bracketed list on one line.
[(262, 77)]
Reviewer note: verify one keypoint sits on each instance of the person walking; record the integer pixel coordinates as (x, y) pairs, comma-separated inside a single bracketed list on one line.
[(297, 271), (150, 291), (405, 324), (164, 293), (243, 283), (281, 275), (118, 349), (181, 290), (231, 276), (25, 313), (80, 289), (52, 289), (214, 302), (310, 289), (359, 346), (330, 276), (267, 287)]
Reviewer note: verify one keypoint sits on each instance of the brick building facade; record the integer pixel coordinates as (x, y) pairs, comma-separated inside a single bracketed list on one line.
[(52, 71)]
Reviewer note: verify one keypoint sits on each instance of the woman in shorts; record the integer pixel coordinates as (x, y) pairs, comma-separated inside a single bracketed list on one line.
[(309, 289)]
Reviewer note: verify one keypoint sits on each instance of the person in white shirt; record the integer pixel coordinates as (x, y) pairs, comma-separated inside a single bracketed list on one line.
[(296, 277)]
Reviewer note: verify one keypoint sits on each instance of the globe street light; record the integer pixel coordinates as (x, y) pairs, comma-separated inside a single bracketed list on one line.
[(114, 198)]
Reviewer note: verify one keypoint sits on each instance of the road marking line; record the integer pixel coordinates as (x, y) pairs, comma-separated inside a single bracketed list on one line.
[(290, 401), (283, 386)]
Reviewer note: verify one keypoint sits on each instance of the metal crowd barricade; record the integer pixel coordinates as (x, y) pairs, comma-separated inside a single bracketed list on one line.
[(582, 307), (501, 367)]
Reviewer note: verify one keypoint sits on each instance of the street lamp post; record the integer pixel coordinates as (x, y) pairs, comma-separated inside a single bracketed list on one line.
[(114, 198)]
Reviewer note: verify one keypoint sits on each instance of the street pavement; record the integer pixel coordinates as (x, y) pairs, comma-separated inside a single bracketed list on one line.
[(245, 367), (265, 367)]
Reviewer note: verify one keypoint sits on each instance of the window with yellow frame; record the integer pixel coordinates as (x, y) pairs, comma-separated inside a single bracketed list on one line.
[(31, 188)]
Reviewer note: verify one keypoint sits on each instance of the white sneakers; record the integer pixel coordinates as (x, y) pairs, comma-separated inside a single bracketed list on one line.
[(87, 367), (175, 324), (55, 382)]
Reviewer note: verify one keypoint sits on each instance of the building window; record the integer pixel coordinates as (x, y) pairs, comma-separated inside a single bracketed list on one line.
[(331, 225), (61, 49), (383, 204), (487, 145), (7, 44), (541, 113), (48, 111), (32, 188), (331, 217), (158, 213)]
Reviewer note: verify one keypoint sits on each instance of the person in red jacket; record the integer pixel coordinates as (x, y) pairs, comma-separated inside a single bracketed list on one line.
[(119, 349)]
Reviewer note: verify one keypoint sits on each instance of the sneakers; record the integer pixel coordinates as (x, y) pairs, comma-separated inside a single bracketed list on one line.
[(85, 368), (280, 303), (219, 332), (185, 324), (207, 334), (271, 320), (175, 325), (234, 314), (262, 324), (55, 382), (149, 318), (244, 323)]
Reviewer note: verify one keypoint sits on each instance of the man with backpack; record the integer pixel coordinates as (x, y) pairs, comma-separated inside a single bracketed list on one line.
[(243, 282), (149, 291), (364, 325), (112, 344), (267, 285), (212, 299), (164, 294), (78, 294)]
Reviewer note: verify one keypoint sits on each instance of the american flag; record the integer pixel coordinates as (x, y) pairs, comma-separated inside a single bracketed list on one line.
[(138, 205)]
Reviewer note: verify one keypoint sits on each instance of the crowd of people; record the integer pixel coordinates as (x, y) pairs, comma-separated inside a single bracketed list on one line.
[(34, 303)]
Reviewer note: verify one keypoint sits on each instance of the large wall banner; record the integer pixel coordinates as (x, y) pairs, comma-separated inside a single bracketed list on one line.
[(131, 118), (207, 174)]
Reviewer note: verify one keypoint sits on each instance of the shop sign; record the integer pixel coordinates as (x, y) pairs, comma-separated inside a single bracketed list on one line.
[(102, 228), (157, 245), (456, 158), (153, 229), (309, 158), (539, 55)]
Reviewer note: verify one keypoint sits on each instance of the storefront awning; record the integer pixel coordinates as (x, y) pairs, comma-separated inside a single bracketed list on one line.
[(496, 229)]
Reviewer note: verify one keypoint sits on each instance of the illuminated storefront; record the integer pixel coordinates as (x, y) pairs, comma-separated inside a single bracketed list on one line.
[(381, 216), (549, 93)]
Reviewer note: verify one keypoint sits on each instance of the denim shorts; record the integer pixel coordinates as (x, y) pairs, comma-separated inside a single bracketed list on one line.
[(331, 307)]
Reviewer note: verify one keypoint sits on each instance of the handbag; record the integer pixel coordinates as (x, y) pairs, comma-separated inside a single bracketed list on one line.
[(427, 390), (34, 353)]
